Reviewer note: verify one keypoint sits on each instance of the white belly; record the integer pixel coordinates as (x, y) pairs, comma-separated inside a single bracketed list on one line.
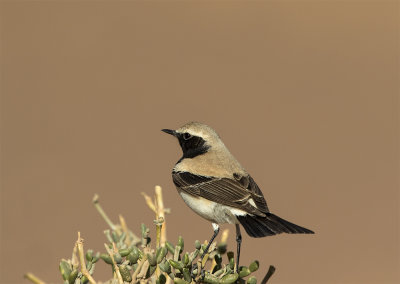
[(210, 210)]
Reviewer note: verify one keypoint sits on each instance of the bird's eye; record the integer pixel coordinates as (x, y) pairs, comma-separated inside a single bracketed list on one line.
[(186, 136)]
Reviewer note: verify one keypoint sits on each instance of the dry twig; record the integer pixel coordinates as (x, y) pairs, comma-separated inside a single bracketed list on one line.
[(34, 279), (116, 268), (79, 245)]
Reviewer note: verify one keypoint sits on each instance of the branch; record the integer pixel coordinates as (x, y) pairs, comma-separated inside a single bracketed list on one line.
[(102, 213), (161, 214), (116, 268), (33, 278), (79, 244), (267, 276), (139, 267), (149, 202)]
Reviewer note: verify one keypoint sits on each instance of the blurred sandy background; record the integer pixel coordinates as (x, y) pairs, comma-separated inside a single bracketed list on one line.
[(305, 95)]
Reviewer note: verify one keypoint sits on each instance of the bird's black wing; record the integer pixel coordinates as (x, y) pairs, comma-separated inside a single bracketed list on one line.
[(236, 192)]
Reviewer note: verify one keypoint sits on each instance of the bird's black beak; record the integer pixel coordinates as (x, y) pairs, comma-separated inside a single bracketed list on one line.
[(169, 131)]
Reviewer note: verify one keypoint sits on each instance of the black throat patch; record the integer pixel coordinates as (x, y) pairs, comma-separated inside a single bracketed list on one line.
[(192, 147)]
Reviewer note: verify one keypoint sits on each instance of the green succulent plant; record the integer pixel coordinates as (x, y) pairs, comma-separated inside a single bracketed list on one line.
[(133, 259)]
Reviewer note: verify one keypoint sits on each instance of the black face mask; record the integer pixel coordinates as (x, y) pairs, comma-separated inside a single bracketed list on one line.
[(192, 146)]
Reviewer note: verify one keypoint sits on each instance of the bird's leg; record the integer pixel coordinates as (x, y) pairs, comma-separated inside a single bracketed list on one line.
[(216, 231), (239, 242)]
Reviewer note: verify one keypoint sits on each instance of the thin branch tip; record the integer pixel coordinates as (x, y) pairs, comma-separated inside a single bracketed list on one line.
[(95, 198), (34, 279)]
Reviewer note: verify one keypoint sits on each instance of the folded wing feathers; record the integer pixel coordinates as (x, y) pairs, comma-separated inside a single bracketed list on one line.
[(222, 190)]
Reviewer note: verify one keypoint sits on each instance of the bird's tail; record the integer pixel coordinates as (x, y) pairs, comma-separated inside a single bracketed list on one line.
[(269, 225)]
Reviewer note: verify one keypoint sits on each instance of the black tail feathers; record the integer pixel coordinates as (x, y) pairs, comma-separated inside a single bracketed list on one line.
[(269, 225)]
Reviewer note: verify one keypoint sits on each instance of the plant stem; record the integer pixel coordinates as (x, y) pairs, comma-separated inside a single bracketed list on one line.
[(102, 213), (267, 276), (149, 202), (161, 213), (79, 244), (138, 268), (33, 278), (116, 268)]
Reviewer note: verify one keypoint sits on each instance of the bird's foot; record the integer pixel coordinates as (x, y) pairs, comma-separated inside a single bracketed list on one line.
[(194, 273)]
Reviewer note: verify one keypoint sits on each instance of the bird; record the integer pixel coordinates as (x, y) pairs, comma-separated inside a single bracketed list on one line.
[(215, 186)]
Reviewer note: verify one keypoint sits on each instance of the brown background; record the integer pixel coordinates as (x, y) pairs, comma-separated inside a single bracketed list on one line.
[(305, 95)]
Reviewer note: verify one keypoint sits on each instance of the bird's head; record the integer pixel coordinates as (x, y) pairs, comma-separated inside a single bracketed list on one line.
[(195, 138)]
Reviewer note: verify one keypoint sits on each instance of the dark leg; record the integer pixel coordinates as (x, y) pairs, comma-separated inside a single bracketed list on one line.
[(202, 271), (239, 242), (216, 231)]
